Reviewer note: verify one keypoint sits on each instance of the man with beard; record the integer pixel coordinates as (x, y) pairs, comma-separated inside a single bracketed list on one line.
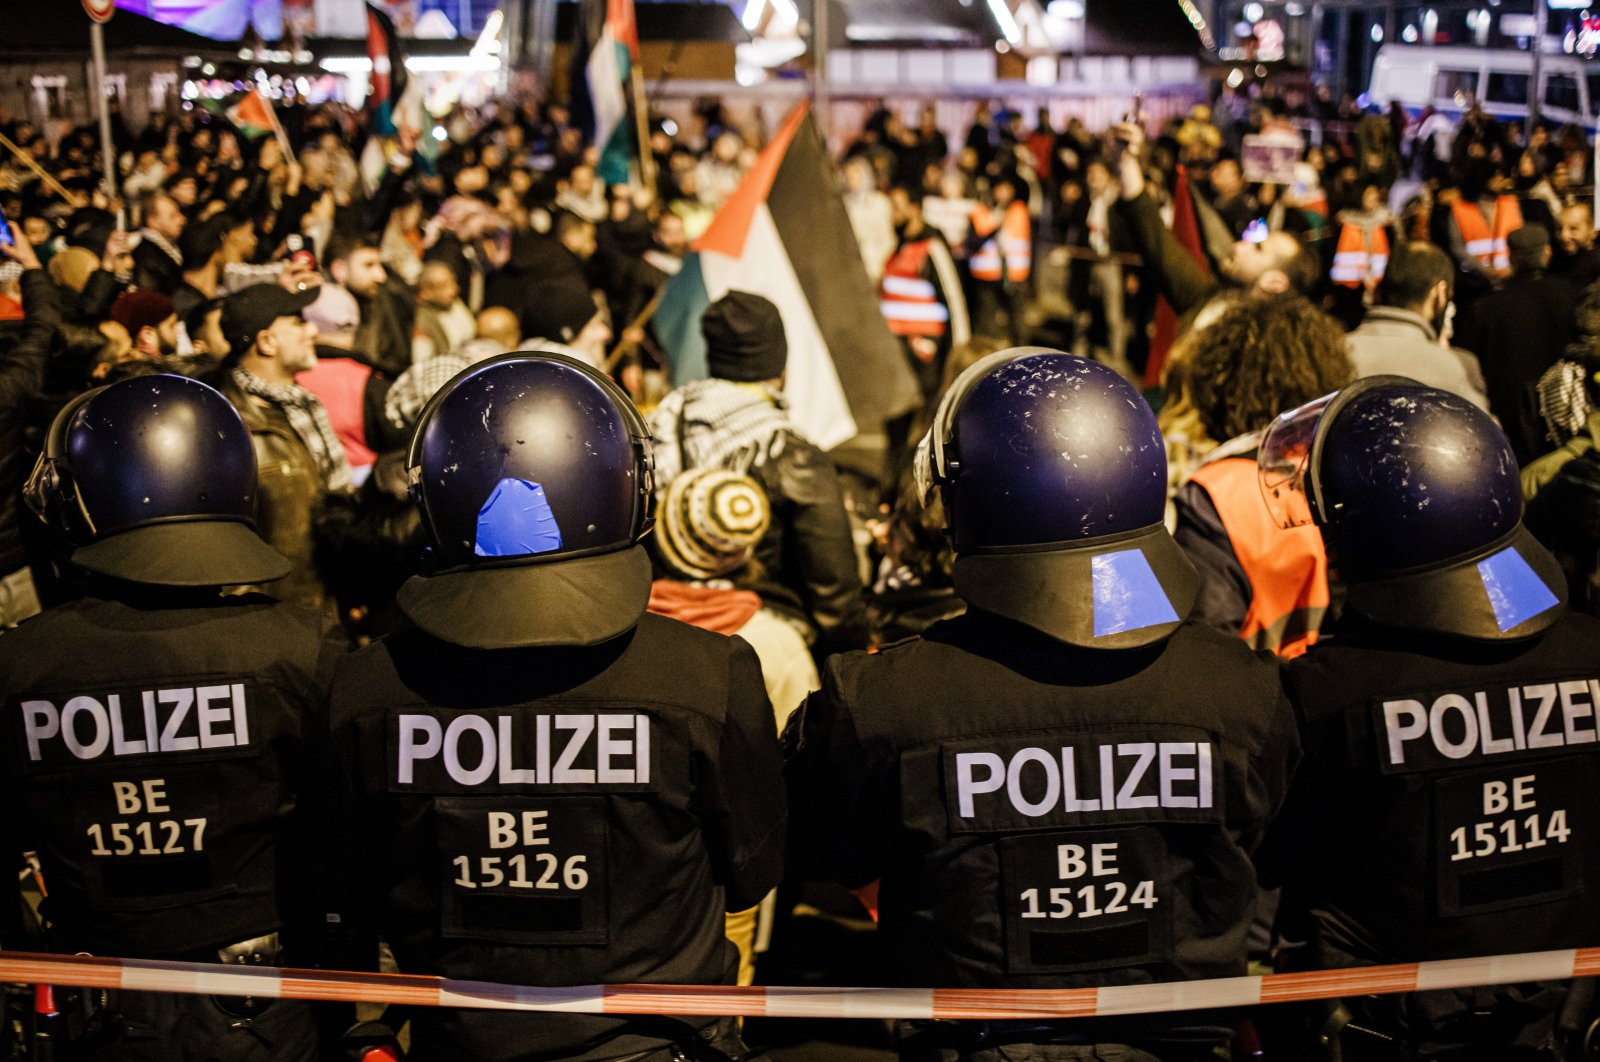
[(1400, 336)]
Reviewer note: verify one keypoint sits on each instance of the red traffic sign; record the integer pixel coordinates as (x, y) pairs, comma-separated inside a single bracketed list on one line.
[(100, 10)]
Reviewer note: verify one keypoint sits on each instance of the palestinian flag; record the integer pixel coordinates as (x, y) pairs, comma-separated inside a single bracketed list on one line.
[(388, 81), (784, 235), (253, 116), (603, 53), (1186, 227)]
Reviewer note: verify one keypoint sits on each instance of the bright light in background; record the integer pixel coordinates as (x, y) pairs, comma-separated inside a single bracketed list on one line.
[(752, 14), (1377, 33), (1235, 77), (1071, 10), (1253, 12), (1005, 20), (787, 11), (1409, 34), (419, 64)]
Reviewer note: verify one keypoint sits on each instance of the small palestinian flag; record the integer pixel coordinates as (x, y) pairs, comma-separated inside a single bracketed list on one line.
[(603, 53), (784, 235), (252, 115)]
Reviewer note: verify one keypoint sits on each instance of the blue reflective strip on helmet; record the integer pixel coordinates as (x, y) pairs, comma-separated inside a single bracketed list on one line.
[(1127, 594), (516, 521), (1516, 593)]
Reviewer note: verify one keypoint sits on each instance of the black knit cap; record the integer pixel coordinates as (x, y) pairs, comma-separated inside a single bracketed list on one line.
[(745, 341)]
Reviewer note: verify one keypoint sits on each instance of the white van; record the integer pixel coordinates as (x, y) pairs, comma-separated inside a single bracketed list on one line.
[(1443, 78)]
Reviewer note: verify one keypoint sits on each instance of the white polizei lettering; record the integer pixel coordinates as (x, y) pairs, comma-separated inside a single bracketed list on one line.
[(120, 746), (1399, 735), (452, 749), (607, 746), (1108, 777), (1069, 780), (581, 726), (1052, 782), (1144, 753), (411, 750), (1537, 738), (241, 719), (967, 785), (509, 775), (641, 744), (209, 716), (618, 736), (69, 730), (181, 700), (542, 747), (40, 722), (1519, 725), (1491, 744), (1469, 739), (1572, 711), (1178, 774), (1170, 772), (151, 734)]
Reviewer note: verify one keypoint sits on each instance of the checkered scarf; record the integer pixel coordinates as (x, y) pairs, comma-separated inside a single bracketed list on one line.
[(1563, 400), (310, 422), (718, 424)]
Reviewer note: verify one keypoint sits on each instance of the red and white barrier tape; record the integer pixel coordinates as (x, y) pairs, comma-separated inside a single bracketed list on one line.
[(146, 975)]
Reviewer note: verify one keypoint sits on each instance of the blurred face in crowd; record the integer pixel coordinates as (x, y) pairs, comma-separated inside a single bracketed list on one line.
[(579, 239), (670, 236), (240, 243), (1097, 179), (362, 273), (582, 181), (37, 230), (472, 180), (1371, 198), (287, 347), (1004, 193), (1576, 231), (1251, 262), (500, 325), (858, 176), (438, 286), (727, 148), (1226, 180), (594, 338), (165, 219)]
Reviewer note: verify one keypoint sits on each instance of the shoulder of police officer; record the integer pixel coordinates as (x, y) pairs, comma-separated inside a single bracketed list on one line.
[(660, 661)]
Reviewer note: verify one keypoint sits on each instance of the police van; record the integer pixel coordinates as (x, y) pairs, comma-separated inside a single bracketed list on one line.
[(1447, 78)]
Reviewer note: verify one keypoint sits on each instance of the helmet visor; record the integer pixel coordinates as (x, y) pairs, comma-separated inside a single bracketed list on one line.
[(1283, 462)]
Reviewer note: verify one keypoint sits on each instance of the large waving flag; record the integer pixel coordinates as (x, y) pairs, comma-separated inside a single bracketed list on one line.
[(603, 53), (784, 235)]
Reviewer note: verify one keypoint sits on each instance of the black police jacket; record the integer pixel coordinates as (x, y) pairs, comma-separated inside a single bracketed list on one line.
[(558, 816), (1043, 816), (1448, 807), (158, 755)]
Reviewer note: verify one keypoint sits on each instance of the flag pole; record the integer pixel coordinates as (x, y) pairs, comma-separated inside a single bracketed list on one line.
[(39, 171), (641, 117), (108, 153)]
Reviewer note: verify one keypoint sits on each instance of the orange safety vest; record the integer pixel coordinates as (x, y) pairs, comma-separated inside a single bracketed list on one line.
[(1288, 570), (1362, 256), (910, 302), (1488, 245), (1009, 239)]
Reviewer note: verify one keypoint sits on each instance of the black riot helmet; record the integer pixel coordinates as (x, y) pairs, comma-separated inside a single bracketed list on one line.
[(533, 473), (1053, 475), (1419, 500), (153, 480)]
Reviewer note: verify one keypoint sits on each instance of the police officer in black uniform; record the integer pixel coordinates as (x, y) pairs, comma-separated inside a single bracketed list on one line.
[(549, 786), (1066, 786), (159, 736), (1450, 726)]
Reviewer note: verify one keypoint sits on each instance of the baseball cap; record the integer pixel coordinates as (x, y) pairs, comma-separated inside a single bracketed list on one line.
[(247, 313), (335, 310)]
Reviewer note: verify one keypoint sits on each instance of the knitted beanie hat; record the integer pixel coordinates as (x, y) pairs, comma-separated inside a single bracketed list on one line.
[(709, 523)]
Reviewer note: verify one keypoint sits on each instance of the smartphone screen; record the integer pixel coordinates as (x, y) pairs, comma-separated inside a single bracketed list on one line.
[(5, 230)]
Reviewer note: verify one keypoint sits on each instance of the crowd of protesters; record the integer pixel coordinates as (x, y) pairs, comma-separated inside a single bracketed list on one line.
[(330, 299)]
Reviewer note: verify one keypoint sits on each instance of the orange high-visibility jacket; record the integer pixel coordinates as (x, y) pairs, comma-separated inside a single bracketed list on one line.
[(1483, 243), (1009, 240), (1362, 256), (1288, 570)]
